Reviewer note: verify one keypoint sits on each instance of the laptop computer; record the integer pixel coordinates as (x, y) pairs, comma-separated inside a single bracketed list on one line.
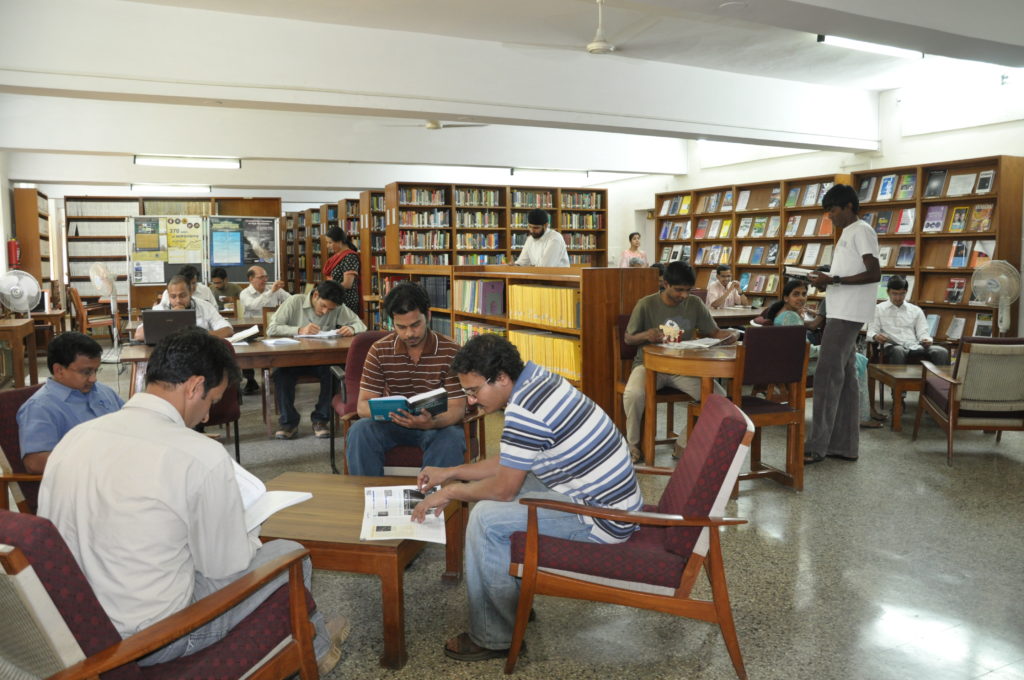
[(159, 323)]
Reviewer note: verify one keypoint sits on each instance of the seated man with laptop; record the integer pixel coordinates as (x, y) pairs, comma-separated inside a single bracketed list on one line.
[(181, 311)]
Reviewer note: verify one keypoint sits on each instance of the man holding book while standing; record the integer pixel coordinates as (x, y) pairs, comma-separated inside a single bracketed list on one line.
[(409, 361), (851, 286)]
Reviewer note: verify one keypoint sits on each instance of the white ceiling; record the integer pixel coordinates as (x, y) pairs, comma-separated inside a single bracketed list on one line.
[(315, 95)]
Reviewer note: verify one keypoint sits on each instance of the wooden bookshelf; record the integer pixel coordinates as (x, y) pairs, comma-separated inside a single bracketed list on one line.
[(32, 231), (372, 230), (442, 224), (602, 294), (288, 263)]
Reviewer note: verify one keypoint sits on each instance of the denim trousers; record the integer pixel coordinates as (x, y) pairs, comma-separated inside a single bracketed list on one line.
[(284, 387), (369, 439), (835, 424), (493, 593), (216, 630)]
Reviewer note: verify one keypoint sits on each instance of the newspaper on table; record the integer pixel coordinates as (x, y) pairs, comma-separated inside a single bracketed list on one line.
[(699, 343), (386, 516)]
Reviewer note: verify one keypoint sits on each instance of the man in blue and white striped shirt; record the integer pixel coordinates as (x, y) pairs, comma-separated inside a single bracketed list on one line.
[(556, 444)]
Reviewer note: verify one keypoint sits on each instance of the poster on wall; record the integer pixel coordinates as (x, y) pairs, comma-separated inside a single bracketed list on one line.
[(150, 242), (184, 239), (241, 240), (225, 241), (259, 240)]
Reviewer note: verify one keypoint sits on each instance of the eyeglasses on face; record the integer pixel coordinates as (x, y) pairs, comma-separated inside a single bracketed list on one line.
[(472, 391)]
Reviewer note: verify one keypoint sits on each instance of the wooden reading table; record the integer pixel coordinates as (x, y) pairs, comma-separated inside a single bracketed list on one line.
[(328, 526), (20, 334), (900, 378)]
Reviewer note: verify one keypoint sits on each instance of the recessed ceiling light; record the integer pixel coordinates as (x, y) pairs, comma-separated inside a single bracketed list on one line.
[(181, 189)]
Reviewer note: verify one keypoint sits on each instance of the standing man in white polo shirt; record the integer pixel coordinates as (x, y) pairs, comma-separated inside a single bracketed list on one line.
[(851, 284)]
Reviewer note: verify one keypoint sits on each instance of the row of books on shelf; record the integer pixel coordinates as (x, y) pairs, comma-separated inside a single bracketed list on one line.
[(904, 255), (809, 254), (581, 221), (416, 258), (485, 241), (678, 252), (547, 305), (558, 353), (479, 258), (957, 325), (581, 200), (528, 198), (902, 187), (808, 195), (463, 331), (477, 196), (422, 196), (760, 254), (424, 240), (424, 218), (758, 283), (971, 254), (976, 218), (478, 219), (891, 221), (883, 286), (438, 290), (480, 296), (712, 255)]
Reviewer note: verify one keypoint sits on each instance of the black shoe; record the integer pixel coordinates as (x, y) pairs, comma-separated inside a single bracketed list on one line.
[(251, 387), (812, 458), (852, 459)]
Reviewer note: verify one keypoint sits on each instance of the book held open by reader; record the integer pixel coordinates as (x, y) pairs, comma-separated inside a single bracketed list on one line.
[(434, 401)]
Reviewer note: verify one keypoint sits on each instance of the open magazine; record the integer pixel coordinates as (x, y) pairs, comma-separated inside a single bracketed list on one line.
[(700, 343), (386, 513), (259, 504)]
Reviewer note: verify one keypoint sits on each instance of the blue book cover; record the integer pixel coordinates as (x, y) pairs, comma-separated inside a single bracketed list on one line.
[(434, 401)]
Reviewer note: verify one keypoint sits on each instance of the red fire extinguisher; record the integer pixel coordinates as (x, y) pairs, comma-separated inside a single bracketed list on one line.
[(13, 253)]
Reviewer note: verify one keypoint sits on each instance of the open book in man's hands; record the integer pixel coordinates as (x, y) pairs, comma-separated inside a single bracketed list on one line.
[(260, 504), (434, 401)]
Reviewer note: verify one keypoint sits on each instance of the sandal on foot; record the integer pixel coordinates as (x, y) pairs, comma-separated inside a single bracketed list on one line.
[(872, 424), (467, 650)]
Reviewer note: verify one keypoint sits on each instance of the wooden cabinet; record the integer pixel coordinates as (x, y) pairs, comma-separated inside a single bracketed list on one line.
[(32, 231)]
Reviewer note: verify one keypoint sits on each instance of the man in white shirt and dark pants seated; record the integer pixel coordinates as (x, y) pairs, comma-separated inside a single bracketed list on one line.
[(257, 295), (544, 247), (902, 329)]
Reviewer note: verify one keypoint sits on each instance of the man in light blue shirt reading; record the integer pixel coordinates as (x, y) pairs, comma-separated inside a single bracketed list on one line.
[(72, 396)]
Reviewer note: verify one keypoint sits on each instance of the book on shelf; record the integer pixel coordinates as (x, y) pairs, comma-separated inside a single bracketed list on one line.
[(726, 228), (826, 254), (883, 221), (665, 228), (666, 254), (699, 259), (792, 197), (743, 199), (958, 219), (933, 187), (702, 227), (675, 253), (743, 230), (665, 205), (826, 227), (773, 199), (684, 205), (868, 218), (956, 328), (757, 302), (713, 254), (744, 280), (882, 292), (713, 201), (772, 254), (983, 325), (758, 285), (886, 188), (756, 255), (726, 256), (905, 256), (702, 203), (811, 195), (955, 290), (810, 226), (792, 225), (716, 225), (909, 278), (674, 205), (884, 255), (794, 253), (774, 222), (769, 285), (934, 219), (981, 253), (985, 180), (961, 185), (434, 401), (905, 190), (906, 223), (959, 252), (933, 323), (744, 257), (760, 224), (867, 189), (811, 254), (726, 200), (981, 217)]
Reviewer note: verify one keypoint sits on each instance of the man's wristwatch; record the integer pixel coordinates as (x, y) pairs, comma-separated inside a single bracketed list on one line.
[(836, 281)]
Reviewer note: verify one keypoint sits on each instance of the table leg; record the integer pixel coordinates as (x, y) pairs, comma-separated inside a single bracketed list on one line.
[(897, 407), (650, 416), (871, 392), (392, 596), (33, 364), (455, 538)]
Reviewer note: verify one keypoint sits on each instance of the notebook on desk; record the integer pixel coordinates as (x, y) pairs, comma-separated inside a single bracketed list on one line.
[(159, 323)]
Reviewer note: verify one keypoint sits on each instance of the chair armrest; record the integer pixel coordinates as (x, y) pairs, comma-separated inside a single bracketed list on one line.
[(10, 477), (643, 518), (338, 372), (928, 367), (184, 621)]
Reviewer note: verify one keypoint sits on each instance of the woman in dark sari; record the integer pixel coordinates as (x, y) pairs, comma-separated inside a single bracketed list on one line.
[(343, 267)]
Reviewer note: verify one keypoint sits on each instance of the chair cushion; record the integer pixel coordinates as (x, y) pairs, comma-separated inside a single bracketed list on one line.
[(641, 559), (937, 391), (10, 402), (756, 406)]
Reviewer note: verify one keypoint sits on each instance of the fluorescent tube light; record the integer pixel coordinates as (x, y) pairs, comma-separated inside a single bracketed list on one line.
[(180, 189), (874, 48), (190, 162)]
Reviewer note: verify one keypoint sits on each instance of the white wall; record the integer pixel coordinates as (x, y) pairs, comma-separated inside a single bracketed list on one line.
[(6, 219)]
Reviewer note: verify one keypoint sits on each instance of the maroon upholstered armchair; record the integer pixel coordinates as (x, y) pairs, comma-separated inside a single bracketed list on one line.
[(72, 637), (10, 402), (657, 567), (228, 410), (986, 391), (346, 401)]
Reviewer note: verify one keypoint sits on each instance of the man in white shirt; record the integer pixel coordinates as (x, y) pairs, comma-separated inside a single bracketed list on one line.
[(256, 295), (851, 285), (151, 510), (545, 247), (179, 296), (197, 288), (724, 291), (903, 330)]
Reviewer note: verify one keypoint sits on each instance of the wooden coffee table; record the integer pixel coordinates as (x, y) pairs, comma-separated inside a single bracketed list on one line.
[(328, 526), (901, 378)]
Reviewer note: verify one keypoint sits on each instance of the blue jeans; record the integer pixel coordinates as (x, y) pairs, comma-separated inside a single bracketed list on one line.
[(284, 388), (493, 593), (216, 630), (368, 440)]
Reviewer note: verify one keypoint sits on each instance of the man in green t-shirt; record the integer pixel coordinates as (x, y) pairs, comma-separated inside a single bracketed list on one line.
[(672, 305)]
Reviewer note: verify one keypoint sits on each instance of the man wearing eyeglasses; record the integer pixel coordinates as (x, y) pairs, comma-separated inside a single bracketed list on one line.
[(71, 397), (257, 295)]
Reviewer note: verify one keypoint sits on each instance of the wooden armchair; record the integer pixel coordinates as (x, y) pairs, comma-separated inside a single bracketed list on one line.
[(26, 483), (658, 566), (54, 626), (986, 391), (96, 315)]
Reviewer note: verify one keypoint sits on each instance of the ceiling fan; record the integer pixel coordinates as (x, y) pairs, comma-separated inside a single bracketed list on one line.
[(600, 44)]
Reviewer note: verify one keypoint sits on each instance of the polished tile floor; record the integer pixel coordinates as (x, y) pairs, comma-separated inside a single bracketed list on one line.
[(894, 567)]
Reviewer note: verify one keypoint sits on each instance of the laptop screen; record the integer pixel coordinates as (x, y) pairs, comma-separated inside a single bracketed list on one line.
[(159, 323)]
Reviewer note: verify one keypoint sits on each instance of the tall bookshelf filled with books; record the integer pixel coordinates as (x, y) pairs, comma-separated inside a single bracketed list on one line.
[(713, 235), (559, 318), (582, 220), (287, 259), (758, 237), (32, 231), (372, 231), (966, 213), (314, 246), (96, 232)]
